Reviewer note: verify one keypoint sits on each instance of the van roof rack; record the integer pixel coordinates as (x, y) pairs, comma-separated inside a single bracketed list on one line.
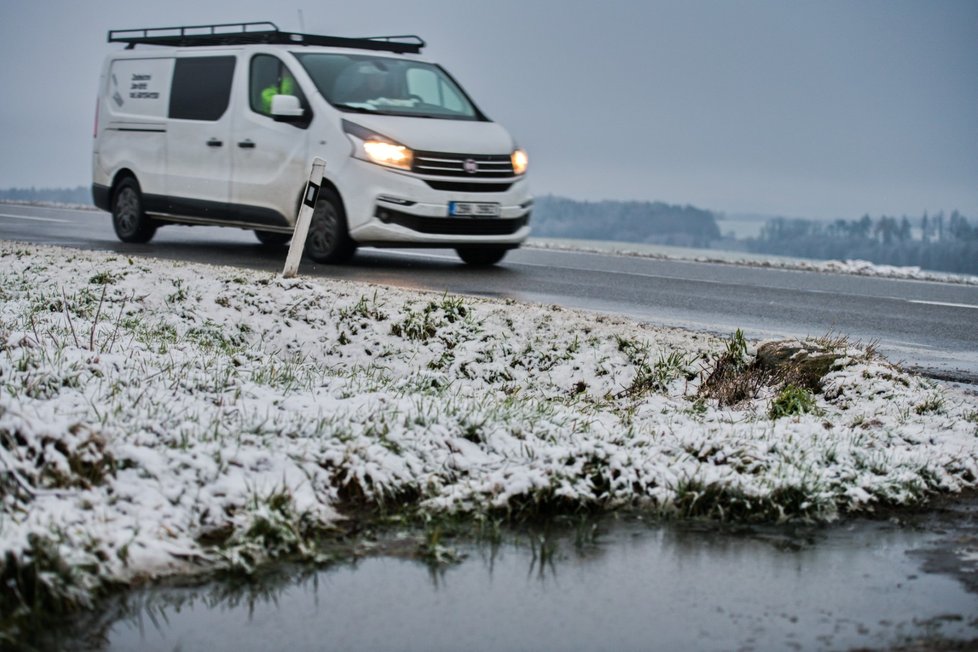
[(261, 32)]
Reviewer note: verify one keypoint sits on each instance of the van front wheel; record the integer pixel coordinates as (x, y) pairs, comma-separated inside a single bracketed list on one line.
[(329, 239), (271, 239), (481, 256), (128, 217)]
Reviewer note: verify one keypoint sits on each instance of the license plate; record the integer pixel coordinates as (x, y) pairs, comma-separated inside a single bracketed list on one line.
[(473, 209)]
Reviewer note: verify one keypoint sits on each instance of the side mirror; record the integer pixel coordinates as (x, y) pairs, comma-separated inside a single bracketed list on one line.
[(286, 107)]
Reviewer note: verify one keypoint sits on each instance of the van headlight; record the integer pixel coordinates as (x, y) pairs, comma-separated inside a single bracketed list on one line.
[(387, 153), (371, 146), (520, 161)]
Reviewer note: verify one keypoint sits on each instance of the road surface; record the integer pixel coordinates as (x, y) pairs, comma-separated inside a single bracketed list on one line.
[(930, 326)]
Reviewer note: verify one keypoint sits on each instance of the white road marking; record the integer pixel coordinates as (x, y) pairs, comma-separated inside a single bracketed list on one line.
[(35, 219), (943, 303)]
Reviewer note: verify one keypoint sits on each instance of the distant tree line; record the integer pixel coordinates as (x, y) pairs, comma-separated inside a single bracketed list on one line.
[(626, 221), (77, 195), (940, 243)]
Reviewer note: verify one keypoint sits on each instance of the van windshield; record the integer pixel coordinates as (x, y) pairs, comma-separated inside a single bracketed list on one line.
[(382, 85)]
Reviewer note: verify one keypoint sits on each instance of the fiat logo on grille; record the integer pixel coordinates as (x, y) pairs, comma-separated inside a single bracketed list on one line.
[(470, 166)]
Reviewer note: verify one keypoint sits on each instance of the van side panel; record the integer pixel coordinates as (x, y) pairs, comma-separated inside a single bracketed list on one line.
[(133, 106), (199, 137), (139, 88)]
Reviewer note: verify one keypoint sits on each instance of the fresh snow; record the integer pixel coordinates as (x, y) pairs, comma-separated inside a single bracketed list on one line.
[(196, 417)]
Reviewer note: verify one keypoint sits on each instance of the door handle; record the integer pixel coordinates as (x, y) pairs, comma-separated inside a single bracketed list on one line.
[(214, 142), (246, 144)]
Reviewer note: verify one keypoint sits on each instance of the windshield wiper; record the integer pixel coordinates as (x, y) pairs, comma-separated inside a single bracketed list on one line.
[(355, 109), (440, 116), (399, 114)]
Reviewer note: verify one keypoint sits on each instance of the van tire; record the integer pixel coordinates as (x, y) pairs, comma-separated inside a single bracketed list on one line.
[(329, 237), (272, 239), (481, 256), (129, 219)]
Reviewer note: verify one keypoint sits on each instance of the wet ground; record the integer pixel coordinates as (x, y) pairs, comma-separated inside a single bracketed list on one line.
[(903, 582)]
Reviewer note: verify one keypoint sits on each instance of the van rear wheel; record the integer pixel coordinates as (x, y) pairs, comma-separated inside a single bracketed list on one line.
[(481, 256), (128, 217), (329, 238)]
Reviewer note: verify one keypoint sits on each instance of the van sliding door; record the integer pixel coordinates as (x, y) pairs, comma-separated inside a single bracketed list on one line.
[(199, 137)]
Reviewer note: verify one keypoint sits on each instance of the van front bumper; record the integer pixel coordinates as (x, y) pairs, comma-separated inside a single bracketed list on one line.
[(390, 207)]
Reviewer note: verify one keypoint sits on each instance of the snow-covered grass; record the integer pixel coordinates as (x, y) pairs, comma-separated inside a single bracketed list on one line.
[(160, 418), (49, 204)]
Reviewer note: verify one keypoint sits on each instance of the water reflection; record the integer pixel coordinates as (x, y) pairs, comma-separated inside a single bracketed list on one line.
[(618, 586)]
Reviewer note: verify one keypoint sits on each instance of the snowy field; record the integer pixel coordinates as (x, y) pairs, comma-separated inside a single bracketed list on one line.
[(159, 418)]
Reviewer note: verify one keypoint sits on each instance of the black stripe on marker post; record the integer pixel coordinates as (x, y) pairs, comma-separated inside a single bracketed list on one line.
[(312, 194)]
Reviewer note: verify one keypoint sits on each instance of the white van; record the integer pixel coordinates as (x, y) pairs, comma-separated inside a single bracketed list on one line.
[(219, 125)]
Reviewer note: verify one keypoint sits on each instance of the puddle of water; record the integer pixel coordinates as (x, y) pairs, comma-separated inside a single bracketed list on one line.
[(637, 587)]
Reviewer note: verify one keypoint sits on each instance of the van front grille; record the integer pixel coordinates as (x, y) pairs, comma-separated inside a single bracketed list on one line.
[(472, 166), (465, 186)]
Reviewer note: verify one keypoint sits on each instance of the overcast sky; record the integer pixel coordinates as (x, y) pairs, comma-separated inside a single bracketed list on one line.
[(820, 109)]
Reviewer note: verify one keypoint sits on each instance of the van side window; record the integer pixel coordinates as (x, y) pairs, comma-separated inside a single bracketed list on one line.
[(201, 88), (270, 77)]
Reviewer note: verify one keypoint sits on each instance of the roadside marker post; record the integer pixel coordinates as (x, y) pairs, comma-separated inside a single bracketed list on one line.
[(304, 218)]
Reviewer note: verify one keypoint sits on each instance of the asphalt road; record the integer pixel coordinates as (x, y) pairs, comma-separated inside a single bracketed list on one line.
[(926, 325)]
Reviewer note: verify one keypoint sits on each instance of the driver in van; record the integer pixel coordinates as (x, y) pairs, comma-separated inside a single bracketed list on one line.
[(285, 86), (374, 86)]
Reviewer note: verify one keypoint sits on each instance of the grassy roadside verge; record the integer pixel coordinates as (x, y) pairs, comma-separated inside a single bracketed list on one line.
[(160, 418)]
